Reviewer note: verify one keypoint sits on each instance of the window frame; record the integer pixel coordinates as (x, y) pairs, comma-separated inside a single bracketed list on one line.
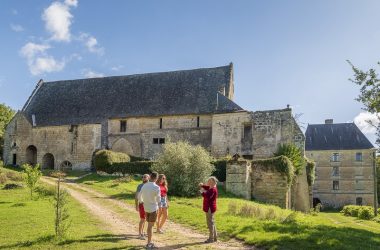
[(335, 185), (335, 157), (356, 156), (123, 126)]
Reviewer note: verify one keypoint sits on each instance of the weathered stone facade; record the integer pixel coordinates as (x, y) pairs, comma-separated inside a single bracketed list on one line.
[(253, 181), (343, 180)]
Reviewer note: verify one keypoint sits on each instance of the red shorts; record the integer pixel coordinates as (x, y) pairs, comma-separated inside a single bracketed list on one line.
[(141, 211)]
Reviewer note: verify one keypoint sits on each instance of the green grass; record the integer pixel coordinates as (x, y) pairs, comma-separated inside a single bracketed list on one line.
[(27, 223), (286, 230)]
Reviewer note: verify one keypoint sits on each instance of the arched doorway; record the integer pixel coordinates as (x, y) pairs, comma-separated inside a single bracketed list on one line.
[(48, 161), (66, 165), (31, 155), (123, 146)]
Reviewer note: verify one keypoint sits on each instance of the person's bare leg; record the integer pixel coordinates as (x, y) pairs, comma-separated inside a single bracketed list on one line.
[(159, 213), (150, 229), (141, 226), (164, 216)]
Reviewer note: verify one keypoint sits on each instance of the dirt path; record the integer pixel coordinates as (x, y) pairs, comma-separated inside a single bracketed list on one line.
[(121, 218)]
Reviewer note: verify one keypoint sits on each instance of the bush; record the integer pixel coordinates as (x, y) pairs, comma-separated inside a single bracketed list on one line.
[(294, 154), (310, 172), (137, 167), (351, 210), (14, 176), (185, 166), (220, 169), (31, 175), (366, 213), (104, 159), (12, 186)]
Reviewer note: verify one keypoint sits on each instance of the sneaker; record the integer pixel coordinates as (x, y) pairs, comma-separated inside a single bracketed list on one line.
[(141, 237), (151, 246), (209, 241)]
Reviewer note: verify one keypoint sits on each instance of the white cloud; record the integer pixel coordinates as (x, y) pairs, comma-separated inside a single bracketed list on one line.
[(117, 68), (91, 43), (88, 73), (58, 20), (16, 27), (362, 121), (38, 60), (73, 3)]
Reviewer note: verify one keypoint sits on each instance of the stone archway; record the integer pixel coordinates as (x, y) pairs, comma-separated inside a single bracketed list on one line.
[(31, 155), (48, 161), (123, 146)]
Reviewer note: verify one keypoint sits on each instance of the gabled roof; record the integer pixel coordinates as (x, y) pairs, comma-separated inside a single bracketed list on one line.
[(168, 93), (340, 136)]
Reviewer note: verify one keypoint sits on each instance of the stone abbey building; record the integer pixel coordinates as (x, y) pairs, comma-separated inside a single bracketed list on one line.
[(63, 123)]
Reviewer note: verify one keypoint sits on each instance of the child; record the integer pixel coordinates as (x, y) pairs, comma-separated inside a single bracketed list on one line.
[(210, 194)]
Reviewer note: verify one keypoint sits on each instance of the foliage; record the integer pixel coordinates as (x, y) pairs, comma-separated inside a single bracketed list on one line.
[(61, 223), (6, 114), (12, 186), (316, 210), (220, 169), (294, 154), (366, 213), (310, 172), (280, 163), (31, 175), (137, 167), (184, 166), (1, 164), (362, 212), (137, 158), (104, 159), (369, 83)]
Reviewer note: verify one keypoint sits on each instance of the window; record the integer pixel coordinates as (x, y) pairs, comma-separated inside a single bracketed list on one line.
[(335, 185), (198, 120), (158, 140), (335, 171), (14, 144), (335, 157), (123, 126), (359, 201), (247, 131), (160, 123), (359, 157)]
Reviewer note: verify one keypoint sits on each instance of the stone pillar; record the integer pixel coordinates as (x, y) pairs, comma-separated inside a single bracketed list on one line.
[(238, 178)]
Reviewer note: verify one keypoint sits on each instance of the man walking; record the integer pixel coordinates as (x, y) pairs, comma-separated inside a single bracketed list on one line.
[(150, 197), (140, 207)]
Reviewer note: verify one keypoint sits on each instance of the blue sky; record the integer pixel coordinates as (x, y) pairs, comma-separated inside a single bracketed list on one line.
[(284, 52)]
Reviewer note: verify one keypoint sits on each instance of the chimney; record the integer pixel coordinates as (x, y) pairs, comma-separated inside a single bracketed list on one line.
[(329, 121)]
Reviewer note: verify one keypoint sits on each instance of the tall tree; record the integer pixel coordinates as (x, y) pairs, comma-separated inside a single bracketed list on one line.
[(6, 114), (369, 96)]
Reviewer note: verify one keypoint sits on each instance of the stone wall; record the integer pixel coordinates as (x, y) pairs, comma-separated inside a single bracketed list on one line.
[(138, 138), (238, 178), (355, 177), (257, 182), (74, 144)]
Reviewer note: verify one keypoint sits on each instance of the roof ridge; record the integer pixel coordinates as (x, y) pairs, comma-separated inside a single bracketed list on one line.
[(230, 66)]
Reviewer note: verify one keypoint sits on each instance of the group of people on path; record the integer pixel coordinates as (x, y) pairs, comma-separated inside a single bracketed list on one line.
[(152, 203)]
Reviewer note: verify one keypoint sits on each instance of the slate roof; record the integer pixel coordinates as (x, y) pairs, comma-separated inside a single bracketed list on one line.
[(167, 93), (339, 136)]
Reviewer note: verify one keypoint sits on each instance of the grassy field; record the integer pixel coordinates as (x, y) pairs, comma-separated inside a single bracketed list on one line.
[(27, 223), (258, 224)]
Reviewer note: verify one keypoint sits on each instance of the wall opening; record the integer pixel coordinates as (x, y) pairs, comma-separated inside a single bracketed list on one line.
[(359, 201), (14, 160), (31, 155), (316, 201), (66, 165), (48, 161)]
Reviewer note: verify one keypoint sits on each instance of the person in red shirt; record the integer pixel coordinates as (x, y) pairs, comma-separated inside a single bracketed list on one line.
[(210, 194), (164, 204)]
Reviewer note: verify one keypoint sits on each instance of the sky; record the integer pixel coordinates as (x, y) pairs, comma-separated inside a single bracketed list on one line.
[(284, 52)]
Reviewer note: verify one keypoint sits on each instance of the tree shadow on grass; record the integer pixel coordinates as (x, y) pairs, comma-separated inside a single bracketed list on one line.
[(96, 178), (67, 242), (123, 196), (298, 236)]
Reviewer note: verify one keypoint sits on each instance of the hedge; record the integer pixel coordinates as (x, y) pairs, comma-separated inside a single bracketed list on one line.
[(104, 159), (136, 167), (362, 212)]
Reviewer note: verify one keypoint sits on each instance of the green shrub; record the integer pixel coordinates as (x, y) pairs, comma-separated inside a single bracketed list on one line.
[(104, 159), (294, 154), (137, 167), (220, 169), (137, 158), (366, 213), (12, 186), (31, 175), (184, 166), (1, 164), (350, 210)]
